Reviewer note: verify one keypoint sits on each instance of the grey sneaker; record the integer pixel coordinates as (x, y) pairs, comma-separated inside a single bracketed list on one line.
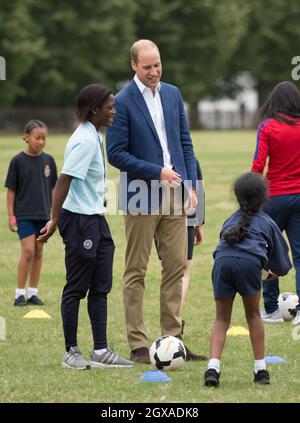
[(275, 317), (296, 319), (109, 359), (73, 359)]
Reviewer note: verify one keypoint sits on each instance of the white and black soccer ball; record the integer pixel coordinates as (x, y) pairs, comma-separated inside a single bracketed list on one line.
[(167, 353), (287, 303)]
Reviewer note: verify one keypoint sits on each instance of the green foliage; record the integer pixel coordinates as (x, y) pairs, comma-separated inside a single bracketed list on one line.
[(197, 39), (54, 48), (21, 44), (86, 42), (270, 42)]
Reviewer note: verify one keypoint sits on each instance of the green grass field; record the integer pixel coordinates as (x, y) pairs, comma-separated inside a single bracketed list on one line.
[(30, 358)]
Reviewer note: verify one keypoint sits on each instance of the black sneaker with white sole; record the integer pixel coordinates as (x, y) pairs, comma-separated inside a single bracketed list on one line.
[(20, 301), (212, 378), (35, 300), (262, 377)]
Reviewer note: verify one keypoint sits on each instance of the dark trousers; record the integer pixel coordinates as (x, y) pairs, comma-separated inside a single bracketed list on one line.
[(89, 251), (285, 211)]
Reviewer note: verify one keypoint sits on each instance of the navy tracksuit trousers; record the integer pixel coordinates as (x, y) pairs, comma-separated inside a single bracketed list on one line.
[(285, 211), (89, 251)]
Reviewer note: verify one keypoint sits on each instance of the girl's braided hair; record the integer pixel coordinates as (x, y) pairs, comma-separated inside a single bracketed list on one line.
[(251, 193)]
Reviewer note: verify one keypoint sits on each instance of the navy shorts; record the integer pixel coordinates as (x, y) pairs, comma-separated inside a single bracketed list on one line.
[(30, 227), (236, 274), (191, 241)]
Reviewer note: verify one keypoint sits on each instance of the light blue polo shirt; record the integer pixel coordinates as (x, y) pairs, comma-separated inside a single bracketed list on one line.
[(84, 161)]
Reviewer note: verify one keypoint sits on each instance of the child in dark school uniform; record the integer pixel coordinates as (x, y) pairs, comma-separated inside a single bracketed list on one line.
[(250, 241), (30, 182)]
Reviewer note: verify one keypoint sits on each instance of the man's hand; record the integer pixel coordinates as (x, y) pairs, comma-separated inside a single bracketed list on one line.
[(47, 230), (271, 276), (267, 275), (170, 176), (198, 234), (59, 195), (191, 203)]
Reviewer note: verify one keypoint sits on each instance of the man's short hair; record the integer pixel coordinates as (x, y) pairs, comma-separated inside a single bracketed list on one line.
[(138, 45)]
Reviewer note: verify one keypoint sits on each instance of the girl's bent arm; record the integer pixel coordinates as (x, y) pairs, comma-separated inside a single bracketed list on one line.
[(60, 193), (11, 196)]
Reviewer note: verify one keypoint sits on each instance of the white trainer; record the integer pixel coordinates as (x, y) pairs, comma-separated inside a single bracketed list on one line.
[(275, 317)]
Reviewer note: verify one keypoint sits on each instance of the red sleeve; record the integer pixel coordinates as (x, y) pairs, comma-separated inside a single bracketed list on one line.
[(262, 148)]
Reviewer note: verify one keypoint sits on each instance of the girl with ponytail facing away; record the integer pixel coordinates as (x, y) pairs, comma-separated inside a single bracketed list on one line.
[(250, 241)]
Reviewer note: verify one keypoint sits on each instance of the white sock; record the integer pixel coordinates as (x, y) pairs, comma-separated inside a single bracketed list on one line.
[(31, 291), (259, 365), (214, 363), (19, 292), (99, 352)]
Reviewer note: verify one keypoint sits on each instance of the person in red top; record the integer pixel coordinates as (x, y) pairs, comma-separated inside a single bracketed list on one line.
[(278, 139)]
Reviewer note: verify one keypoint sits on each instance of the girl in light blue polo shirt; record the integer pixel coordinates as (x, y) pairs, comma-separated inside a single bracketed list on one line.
[(78, 210)]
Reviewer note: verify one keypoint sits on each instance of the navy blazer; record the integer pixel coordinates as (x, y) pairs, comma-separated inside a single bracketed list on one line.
[(133, 145)]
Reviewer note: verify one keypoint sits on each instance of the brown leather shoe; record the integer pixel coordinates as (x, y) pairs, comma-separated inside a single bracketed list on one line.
[(140, 355), (194, 357)]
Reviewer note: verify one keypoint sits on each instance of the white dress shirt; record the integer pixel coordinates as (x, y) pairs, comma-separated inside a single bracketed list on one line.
[(153, 103)]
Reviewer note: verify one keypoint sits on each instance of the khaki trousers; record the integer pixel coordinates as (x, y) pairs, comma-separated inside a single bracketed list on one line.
[(170, 231)]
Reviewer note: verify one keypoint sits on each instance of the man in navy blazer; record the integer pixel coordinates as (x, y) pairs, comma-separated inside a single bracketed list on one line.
[(150, 143)]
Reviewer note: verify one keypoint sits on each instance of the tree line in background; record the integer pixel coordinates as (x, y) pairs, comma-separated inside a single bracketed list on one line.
[(53, 48)]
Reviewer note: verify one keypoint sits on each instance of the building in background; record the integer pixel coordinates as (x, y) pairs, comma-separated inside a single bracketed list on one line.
[(226, 113)]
